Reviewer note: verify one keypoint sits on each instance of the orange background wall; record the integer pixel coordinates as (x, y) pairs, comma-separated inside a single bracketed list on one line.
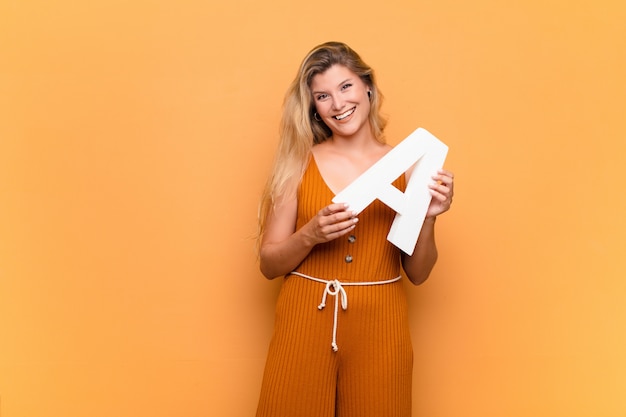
[(134, 141)]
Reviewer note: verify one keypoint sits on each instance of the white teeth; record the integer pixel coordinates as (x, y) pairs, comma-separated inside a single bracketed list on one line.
[(344, 115)]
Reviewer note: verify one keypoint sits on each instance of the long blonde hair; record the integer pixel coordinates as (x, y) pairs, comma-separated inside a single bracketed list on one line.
[(299, 130)]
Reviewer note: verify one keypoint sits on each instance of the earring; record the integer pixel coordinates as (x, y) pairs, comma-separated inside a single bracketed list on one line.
[(317, 117), (369, 94)]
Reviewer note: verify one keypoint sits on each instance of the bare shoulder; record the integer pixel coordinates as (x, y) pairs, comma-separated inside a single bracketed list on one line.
[(281, 220)]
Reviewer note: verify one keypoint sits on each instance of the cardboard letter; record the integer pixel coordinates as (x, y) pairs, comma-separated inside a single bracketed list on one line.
[(428, 154)]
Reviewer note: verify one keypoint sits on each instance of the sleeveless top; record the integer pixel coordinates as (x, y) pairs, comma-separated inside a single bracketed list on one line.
[(364, 254)]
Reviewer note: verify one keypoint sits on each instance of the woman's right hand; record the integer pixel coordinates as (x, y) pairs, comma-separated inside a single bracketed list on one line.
[(283, 247), (331, 222)]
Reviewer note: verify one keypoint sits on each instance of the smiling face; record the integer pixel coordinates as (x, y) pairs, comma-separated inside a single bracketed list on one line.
[(341, 100)]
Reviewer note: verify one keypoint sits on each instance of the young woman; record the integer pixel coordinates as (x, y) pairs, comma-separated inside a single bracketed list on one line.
[(337, 361)]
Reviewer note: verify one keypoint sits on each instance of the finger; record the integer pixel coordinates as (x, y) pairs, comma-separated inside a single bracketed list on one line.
[(443, 176), (438, 196), (333, 221), (341, 221), (441, 192), (334, 208), (339, 229), (441, 188)]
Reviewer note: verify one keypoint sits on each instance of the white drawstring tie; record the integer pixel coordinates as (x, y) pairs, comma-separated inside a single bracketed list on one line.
[(335, 288)]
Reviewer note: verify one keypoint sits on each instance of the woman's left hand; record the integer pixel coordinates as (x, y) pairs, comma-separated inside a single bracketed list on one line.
[(442, 190)]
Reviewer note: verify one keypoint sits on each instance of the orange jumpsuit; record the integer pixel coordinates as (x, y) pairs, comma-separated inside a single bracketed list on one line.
[(370, 373)]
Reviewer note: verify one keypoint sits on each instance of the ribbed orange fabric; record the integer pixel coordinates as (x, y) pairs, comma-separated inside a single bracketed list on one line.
[(370, 375)]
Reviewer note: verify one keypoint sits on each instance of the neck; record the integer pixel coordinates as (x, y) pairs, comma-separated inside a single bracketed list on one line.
[(357, 142)]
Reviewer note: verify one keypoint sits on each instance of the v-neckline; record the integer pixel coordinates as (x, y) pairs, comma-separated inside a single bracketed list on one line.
[(317, 168)]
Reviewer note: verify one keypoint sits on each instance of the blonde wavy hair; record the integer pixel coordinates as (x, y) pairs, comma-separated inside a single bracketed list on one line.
[(299, 130)]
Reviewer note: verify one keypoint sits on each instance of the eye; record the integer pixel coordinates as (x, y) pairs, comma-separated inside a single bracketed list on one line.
[(321, 97), (346, 86)]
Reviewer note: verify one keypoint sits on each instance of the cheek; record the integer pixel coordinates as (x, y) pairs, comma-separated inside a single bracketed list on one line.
[(321, 107), (366, 105), (361, 98)]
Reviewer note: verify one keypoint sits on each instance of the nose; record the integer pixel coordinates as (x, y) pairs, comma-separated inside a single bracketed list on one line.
[(338, 102)]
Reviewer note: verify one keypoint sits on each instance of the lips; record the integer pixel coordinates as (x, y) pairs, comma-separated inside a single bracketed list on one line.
[(344, 115)]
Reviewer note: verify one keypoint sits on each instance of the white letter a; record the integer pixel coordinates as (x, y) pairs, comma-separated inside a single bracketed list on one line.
[(428, 154)]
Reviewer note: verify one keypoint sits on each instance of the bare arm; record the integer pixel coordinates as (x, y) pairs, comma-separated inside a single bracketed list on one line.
[(419, 265), (283, 247)]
